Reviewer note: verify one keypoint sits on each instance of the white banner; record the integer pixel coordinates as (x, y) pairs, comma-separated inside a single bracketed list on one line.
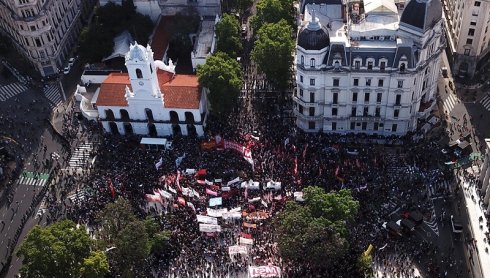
[(256, 199), (238, 249), (246, 241), (232, 215), (216, 212), (264, 271), (207, 219), (218, 201), (209, 228), (233, 181)]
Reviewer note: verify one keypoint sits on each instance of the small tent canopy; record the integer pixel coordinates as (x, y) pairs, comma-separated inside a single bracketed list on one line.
[(121, 45)]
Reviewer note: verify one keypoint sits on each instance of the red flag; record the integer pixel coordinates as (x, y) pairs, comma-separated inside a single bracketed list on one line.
[(177, 181), (304, 151), (202, 182), (295, 170), (201, 172), (337, 171), (181, 201), (245, 235), (111, 187)]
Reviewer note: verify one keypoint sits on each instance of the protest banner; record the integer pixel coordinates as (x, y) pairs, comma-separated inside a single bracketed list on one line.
[(264, 271), (216, 212), (217, 201), (246, 241), (209, 228), (207, 219), (238, 249)]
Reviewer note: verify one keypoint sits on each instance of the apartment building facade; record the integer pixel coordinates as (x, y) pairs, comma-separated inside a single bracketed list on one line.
[(467, 24), (367, 66), (44, 31)]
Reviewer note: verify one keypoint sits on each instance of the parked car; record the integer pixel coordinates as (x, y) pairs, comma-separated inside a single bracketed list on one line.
[(71, 61), (67, 69), (456, 224)]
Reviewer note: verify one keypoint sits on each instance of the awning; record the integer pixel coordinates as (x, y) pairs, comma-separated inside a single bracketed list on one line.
[(463, 145), (153, 141)]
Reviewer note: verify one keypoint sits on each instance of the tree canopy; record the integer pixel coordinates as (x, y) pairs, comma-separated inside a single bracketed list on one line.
[(96, 40), (273, 11), (95, 265), (222, 76), (57, 250), (315, 234), (113, 219), (132, 248), (273, 53), (228, 34)]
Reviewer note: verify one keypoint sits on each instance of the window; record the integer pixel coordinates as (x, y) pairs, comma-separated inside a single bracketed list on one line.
[(354, 97), (393, 127), (334, 111), (471, 32), (357, 65), (352, 125), (398, 99), (366, 97), (375, 126), (302, 60), (382, 66), (356, 82), (477, 3), (312, 62), (335, 98), (334, 126), (312, 82), (400, 83), (396, 113), (377, 112), (312, 111), (368, 82), (469, 41), (300, 109), (379, 97), (354, 111), (370, 65), (301, 78), (402, 67), (473, 23), (38, 42), (139, 74), (336, 82), (301, 92), (380, 82), (311, 125), (365, 111), (364, 125), (312, 97), (467, 52)]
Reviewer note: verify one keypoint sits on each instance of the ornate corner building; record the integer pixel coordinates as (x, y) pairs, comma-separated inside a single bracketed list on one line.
[(44, 31), (367, 66), (467, 24)]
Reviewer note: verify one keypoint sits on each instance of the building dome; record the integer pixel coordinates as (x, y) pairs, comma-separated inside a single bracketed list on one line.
[(313, 36), (421, 14)]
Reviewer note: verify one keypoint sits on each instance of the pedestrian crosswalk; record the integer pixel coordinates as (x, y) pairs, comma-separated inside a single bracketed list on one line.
[(485, 101), (440, 188), (80, 156), (450, 102), (53, 93), (35, 179), (11, 90), (77, 197)]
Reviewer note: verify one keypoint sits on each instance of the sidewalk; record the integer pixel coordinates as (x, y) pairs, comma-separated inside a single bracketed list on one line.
[(478, 232)]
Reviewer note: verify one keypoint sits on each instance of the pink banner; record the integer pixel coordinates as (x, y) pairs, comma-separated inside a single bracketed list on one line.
[(245, 152), (211, 192), (264, 271)]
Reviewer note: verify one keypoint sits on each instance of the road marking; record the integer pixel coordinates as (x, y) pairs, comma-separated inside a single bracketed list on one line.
[(450, 102), (485, 101), (11, 90)]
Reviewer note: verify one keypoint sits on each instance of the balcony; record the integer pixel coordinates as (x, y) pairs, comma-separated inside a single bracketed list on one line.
[(305, 104), (306, 117), (425, 108), (369, 119)]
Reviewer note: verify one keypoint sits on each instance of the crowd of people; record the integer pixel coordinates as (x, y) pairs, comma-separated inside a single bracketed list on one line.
[(386, 179)]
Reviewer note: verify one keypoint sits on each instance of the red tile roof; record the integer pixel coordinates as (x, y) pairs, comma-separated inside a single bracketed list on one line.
[(179, 91), (112, 90), (161, 37)]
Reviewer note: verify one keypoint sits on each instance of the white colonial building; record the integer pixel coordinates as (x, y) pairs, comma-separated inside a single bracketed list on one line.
[(150, 99), (367, 66)]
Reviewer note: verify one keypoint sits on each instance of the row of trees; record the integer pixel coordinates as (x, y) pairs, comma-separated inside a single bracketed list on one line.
[(96, 40), (63, 250)]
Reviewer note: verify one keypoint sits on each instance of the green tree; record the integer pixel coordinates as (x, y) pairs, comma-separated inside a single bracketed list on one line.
[(113, 219), (132, 248), (54, 251), (273, 53), (312, 235), (273, 11), (182, 25), (228, 34), (222, 76), (95, 265)]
